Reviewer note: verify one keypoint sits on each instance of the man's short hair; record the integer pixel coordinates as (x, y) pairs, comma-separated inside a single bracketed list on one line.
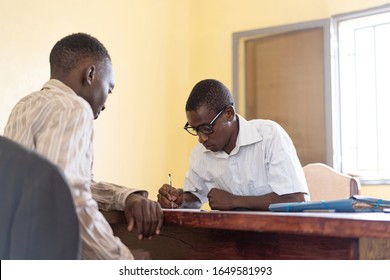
[(68, 52), (210, 93)]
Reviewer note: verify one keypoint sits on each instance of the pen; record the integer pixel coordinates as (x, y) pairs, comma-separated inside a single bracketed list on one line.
[(170, 188)]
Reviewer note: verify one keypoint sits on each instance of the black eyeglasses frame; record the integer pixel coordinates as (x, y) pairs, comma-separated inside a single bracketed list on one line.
[(207, 128)]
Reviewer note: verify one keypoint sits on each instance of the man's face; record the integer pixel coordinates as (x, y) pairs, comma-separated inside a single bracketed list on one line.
[(101, 86), (219, 138)]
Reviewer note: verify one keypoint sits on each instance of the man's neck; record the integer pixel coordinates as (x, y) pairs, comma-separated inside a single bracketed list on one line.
[(233, 137)]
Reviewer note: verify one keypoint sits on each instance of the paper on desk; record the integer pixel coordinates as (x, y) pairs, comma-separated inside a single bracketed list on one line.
[(182, 210), (356, 203)]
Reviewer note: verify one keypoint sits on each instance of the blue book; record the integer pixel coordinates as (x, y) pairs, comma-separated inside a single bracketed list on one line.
[(356, 203)]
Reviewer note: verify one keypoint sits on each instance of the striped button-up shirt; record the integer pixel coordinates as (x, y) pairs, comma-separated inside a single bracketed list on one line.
[(58, 124), (264, 160)]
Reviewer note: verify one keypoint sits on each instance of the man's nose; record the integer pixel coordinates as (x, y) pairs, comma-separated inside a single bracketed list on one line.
[(202, 137)]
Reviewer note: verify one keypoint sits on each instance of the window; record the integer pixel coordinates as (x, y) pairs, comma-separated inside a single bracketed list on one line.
[(364, 95)]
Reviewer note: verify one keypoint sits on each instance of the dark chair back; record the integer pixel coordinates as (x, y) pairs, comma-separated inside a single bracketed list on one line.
[(38, 219)]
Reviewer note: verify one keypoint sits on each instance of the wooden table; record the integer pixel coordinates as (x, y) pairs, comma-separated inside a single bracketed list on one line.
[(223, 235)]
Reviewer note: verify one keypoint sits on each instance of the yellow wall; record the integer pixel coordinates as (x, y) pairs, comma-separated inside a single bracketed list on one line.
[(139, 137), (160, 49)]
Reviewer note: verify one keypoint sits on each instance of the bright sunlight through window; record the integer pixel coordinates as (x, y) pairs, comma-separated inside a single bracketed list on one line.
[(364, 76)]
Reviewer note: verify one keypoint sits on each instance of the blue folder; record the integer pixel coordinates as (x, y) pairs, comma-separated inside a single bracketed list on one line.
[(356, 203)]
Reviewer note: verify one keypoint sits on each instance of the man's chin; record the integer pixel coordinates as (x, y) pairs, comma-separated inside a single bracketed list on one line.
[(211, 148)]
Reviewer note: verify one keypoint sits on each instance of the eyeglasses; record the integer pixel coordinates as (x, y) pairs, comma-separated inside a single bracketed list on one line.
[(204, 128)]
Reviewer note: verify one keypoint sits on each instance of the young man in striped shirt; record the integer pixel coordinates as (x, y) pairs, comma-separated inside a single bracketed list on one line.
[(57, 122)]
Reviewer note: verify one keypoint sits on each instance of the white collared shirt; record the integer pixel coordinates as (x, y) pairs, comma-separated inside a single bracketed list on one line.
[(264, 160), (58, 124)]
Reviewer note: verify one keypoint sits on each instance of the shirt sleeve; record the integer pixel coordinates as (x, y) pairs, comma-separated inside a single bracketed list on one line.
[(285, 173), (193, 182), (66, 140), (112, 197)]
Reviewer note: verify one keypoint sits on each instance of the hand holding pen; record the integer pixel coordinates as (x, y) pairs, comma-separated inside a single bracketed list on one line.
[(170, 197)]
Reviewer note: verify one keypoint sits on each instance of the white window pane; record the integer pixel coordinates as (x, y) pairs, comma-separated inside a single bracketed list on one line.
[(382, 35), (366, 98)]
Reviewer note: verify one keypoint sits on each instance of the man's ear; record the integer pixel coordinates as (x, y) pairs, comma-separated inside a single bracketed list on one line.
[(89, 75), (230, 113)]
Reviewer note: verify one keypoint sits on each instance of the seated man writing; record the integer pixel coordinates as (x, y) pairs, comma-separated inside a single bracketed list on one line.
[(238, 164)]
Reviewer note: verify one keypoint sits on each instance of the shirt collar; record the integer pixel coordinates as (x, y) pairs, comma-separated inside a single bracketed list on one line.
[(54, 84), (247, 135)]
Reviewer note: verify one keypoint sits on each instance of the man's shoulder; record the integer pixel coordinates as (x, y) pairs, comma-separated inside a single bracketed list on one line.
[(53, 99), (263, 123), (265, 126)]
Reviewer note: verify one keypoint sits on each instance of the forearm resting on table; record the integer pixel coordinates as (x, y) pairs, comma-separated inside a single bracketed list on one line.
[(262, 202), (111, 196), (190, 201)]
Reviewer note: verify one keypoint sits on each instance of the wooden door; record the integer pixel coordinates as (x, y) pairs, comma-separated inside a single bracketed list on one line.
[(284, 82)]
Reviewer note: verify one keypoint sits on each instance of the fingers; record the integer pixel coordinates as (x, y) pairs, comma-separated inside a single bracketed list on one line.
[(167, 197), (146, 216), (160, 218), (166, 203), (166, 190), (152, 220), (130, 225)]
